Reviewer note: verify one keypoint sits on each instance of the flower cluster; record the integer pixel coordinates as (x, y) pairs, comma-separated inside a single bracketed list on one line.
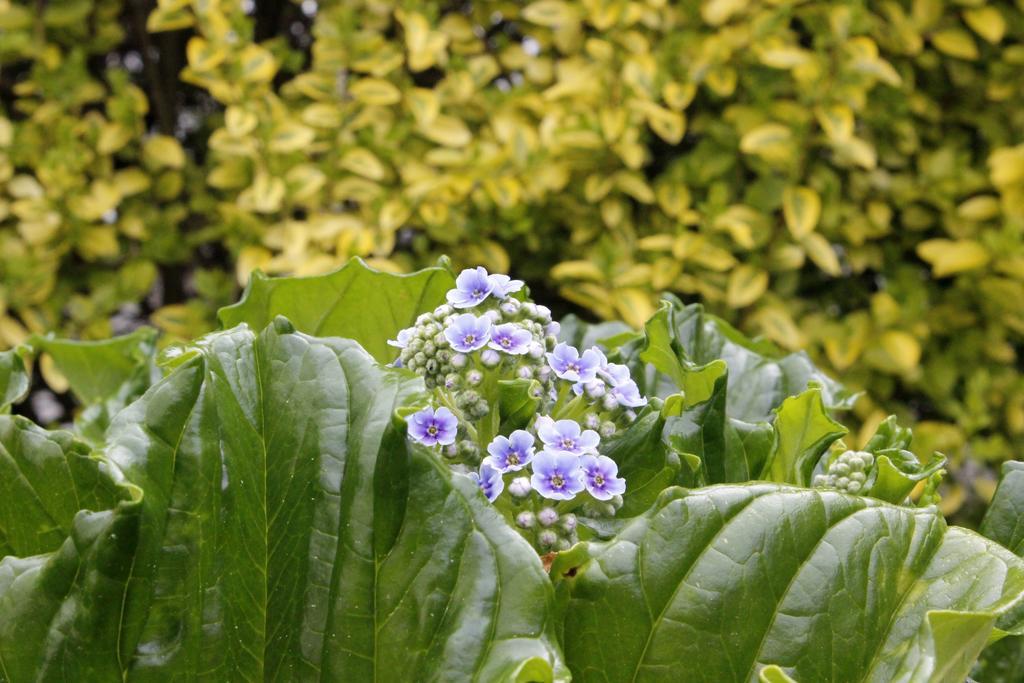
[(487, 335), (848, 472)]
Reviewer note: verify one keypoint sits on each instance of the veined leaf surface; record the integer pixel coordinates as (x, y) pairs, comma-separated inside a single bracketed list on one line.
[(276, 526), (717, 584)]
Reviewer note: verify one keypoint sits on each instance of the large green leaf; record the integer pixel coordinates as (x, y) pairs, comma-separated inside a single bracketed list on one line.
[(717, 584), (14, 379), (276, 526), (46, 477), (355, 301), (680, 339), (1004, 524), (104, 376)]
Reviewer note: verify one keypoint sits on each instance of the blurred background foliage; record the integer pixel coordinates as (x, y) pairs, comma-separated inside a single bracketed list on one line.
[(845, 177)]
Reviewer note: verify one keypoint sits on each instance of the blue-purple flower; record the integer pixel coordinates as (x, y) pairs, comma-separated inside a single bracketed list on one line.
[(566, 436), (628, 394), (503, 285), (468, 332), (511, 453), (568, 364), (600, 475), (489, 480), (510, 338), (431, 427), (403, 339), (557, 475), (471, 287)]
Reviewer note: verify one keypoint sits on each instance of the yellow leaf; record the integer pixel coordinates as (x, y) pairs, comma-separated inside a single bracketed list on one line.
[(955, 43), (551, 13), (239, 121), (949, 257), (393, 215), (821, 252), (746, 285), (290, 137), (53, 377), (771, 141), (362, 162), (113, 137), (204, 56), (424, 105), (717, 12), (24, 186), (987, 22), (633, 184), (1006, 166), (169, 20), (801, 207), (163, 151), (902, 349), (857, 151), (448, 131), (776, 324), (249, 259), (633, 305), (322, 115), (981, 208), (376, 91), (577, 270), (130, 181), (257, 63), (98, 243), (304, 181), (11, 331), (836, 120), (678, 96)]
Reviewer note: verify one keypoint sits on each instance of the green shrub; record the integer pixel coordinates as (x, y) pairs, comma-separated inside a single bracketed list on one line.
[(845, 177)]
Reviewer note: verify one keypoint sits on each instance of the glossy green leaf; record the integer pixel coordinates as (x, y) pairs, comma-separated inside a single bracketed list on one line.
[(46, 477), (680, 337), (803, 432), (1003, 662), (278, 527), (104, 376), (14, 379), (719, 584), (356, 302)]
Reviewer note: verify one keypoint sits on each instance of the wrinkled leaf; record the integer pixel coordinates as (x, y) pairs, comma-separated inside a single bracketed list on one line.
[(356, 302), (720, 583)]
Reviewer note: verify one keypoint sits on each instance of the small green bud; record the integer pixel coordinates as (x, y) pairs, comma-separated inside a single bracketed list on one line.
[(547, 516)]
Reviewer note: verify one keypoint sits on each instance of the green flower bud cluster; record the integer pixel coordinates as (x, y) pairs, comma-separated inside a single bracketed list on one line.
[(552, 531), (848, 473)]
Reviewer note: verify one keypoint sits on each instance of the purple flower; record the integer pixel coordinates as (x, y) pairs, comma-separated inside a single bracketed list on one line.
[(471, 287), (431, 427), (510, 338), (503, 285), (489, 480), (628, 394), (512, 453), (615, 374), (403, 339), (557, 475), (566, 435), (600, 476), (468, 332), (567, 363)]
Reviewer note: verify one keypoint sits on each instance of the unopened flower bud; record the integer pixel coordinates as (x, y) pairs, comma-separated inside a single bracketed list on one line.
[(495, 316), (420, 358), (530, 309), (510, 306), (524, 372), (547, 516), (490, 358), (553, 328), (423, 318), (535, 350), (520, 487), (459, 360), (607, 429), (568, 522), (544, 373), (595, 389), (450, 451), (591, 421), (474, 377), (452, 381), (820, 481), (609, 402), (443, 355), (468, 448), (547, 539), (842, 482), (443, 311), (563, 544), (431, 366), (525, 519), (629, 416), (543, 313)]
